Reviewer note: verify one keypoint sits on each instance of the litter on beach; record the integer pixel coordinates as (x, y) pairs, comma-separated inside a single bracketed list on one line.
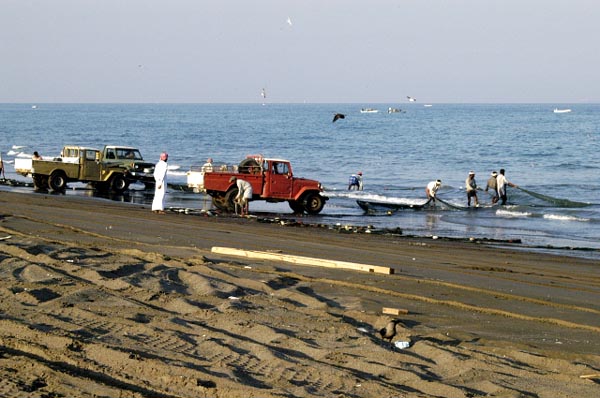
[(402, 344)]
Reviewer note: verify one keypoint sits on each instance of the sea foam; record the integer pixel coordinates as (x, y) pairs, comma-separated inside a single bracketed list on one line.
[(564, 218)]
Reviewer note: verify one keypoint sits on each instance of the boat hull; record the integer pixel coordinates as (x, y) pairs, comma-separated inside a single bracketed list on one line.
[(374, 206)]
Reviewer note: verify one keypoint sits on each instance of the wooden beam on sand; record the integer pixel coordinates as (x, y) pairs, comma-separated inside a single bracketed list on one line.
[(394, 311), (289, 258)]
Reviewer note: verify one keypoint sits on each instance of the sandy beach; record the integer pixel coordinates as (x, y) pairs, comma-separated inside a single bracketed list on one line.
[(107, 299)]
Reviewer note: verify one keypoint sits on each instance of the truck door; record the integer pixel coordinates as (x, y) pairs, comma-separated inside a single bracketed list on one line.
[(280, 180), (90, 165)]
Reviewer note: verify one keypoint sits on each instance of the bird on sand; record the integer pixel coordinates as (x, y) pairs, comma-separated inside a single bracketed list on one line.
[(389, 331), (338, 116)]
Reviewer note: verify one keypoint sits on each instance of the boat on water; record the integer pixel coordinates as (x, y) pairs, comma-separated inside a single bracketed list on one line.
[(394, 110), (370, 206), (566, 110), (369, 110)]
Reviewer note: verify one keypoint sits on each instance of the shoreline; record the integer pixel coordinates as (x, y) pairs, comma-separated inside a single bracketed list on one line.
[(108, 297), (292, 220)]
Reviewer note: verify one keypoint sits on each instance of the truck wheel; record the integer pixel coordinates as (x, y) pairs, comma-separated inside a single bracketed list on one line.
[(229, 199), (297, 207), (40, 182), (58, 181), (313, 203), (118, 183), (248, 166), (219, 202)]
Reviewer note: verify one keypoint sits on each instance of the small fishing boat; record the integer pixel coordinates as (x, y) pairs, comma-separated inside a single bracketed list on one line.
[(394, 110), (368, 110), (370, 206), (566, 110)]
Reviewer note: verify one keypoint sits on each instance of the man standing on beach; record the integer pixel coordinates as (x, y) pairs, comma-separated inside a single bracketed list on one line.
[(502, 182), (160, 178), (471, 189), (492, 185)]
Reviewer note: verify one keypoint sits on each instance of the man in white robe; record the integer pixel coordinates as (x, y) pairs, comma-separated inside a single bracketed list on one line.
[(160, 178)]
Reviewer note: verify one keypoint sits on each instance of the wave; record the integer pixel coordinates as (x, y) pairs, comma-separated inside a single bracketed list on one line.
[(177, 173), (18, 146), (173, 167), (512, 214), (564, 218)]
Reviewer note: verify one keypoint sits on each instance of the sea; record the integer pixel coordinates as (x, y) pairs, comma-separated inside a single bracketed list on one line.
[(551, 157)]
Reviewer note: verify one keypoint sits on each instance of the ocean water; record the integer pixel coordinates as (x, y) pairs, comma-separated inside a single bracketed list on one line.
[(555, 155)]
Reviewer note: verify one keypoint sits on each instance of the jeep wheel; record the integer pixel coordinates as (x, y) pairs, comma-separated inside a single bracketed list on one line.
[(40, 182), (219, 202), (313, 203), (230, 198), (296, 206), (248, 166), (118, 183), (58, 181)]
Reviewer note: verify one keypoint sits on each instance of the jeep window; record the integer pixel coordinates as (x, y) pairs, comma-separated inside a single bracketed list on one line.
[(90, 154), (110, 154), (129, 154), (71, 153), (280, 168)]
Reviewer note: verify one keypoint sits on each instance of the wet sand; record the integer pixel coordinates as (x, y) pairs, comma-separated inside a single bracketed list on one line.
[(100, 298)]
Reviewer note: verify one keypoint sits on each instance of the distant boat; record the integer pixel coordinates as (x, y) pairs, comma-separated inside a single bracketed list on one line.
[(33, 106), (567, 110), (394, 110), (427, 105), (368, 110)]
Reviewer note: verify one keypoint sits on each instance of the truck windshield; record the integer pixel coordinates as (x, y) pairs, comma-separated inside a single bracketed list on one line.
[(131, 154)]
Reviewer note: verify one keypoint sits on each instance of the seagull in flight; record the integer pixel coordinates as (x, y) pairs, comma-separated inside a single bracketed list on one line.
[(289, 21), (338, 116), (411, 99)]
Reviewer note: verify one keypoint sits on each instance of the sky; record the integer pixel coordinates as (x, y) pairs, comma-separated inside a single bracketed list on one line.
[(313, 51)]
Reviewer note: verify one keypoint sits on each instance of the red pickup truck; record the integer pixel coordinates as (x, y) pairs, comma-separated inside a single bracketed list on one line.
[(271, 179)]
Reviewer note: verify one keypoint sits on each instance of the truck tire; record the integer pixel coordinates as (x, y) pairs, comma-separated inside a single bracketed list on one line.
[(313, 203), (230, 197), (57, 181), (40, 182), (118, 183), (219, 202), (248, 166), (296, 206)]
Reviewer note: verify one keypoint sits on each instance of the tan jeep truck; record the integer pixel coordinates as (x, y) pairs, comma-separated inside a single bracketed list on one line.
[(101, 168)]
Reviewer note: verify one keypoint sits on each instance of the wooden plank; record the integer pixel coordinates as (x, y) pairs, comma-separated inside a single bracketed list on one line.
[(592, 376), (394, 311), (301, 260)]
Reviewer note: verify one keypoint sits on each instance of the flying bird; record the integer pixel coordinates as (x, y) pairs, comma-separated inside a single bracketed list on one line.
[(389, 331), (289, 21), (411, 99), (338, 116)]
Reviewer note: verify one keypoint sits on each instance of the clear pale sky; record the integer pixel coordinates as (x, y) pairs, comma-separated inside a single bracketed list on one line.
[(221, 51)]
